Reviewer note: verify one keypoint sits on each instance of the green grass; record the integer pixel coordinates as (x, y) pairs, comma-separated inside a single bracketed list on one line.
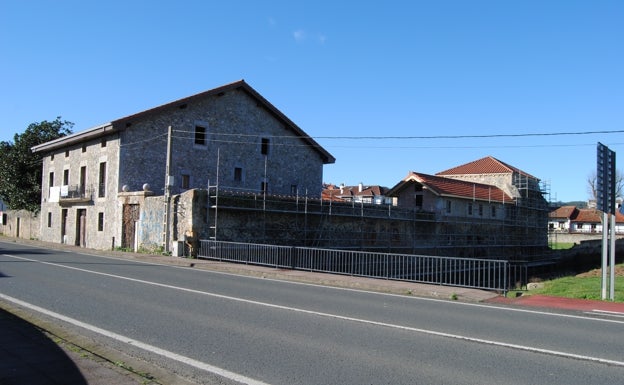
[(562, 245), (580, 287)]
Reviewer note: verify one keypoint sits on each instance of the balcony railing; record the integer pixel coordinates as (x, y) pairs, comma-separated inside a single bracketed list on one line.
[(76, 193)]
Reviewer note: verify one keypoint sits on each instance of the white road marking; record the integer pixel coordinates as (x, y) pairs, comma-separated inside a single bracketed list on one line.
[(127, 340), (415, 298), (345, 318), (606, 313)]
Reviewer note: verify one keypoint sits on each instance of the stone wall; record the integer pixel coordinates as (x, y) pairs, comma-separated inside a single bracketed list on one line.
[(235, 125), (313, 223), (577, 238), (20, 224)]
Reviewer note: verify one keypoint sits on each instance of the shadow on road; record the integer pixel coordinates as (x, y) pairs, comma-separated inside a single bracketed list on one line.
[(28, 356)]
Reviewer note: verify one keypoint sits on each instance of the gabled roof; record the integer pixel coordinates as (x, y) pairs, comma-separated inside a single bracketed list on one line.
[(453, 188), (588, 216), (567, 212), (125, 122), (594, 216), (487, 165)]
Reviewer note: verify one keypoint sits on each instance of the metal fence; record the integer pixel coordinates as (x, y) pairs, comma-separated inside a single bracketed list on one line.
[(488, 274)]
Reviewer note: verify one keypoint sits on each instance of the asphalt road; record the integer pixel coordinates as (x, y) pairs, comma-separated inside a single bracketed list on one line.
[(209, 326)]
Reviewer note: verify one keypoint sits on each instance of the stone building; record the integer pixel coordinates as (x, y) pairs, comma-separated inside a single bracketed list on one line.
[(482, 203), (448, 197), (95, 181)]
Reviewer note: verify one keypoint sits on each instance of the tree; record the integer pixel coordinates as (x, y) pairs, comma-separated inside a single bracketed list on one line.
[(20, 168), (592, 184)]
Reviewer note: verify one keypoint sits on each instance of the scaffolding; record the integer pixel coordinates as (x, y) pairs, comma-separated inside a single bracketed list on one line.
[(257, 217)]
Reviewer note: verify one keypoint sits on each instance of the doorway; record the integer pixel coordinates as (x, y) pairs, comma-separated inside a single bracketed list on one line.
[(64, 226), (81, 219), (131, 215)]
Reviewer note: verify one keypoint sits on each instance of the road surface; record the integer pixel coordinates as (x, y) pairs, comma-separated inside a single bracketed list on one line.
[(208, 325)]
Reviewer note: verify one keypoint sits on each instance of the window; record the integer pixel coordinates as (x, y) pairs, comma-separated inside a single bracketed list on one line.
[(469, 208), (83, 180), (200, 135), (102, 181), (186, 181), (264, 148), (51, 157), (100, 221), (294, 190), (66, 153), (480, 210), (448, 207), (49, 219), (103, 143), (238, 174), (493, 211), (66, 177), (419, 200), (51, 179), (84, 148), (264, 187)]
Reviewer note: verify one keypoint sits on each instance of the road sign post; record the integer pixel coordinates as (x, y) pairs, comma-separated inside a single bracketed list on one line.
[(605, 202)]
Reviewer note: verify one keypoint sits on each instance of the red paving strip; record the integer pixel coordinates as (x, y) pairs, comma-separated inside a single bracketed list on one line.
[(562, 303)]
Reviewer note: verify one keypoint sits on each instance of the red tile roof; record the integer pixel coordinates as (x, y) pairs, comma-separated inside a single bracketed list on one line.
[(487, 165), (455, 188), (588, 215), (575, 214), (564, 212)]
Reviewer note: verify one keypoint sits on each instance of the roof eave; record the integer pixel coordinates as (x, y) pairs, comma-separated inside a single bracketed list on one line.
[(89, 134)]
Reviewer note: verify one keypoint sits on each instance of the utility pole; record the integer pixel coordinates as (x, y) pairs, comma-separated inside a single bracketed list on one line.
[(168, 183)]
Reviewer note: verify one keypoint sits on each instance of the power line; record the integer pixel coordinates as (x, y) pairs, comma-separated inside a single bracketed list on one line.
[(400, 137), (476, 136)]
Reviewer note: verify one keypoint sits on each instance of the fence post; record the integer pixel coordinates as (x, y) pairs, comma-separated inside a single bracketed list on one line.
[(506, 269)]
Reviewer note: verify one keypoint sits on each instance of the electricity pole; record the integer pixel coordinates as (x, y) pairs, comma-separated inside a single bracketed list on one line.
[(168, 183)]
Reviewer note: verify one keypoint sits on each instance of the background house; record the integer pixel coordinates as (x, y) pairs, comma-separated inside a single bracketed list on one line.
[(95, 181), (560, 219), (574, 220), (357, 194)]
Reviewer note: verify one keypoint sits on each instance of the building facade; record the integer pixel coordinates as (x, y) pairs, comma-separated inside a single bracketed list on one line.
[(95, 181)]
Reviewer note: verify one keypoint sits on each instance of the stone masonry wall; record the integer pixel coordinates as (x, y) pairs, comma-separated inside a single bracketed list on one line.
[(21, 224), (312, 223), (65, 212), (235, 125)]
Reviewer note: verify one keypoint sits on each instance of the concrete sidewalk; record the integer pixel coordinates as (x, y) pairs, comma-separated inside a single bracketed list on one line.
[(35, 351)]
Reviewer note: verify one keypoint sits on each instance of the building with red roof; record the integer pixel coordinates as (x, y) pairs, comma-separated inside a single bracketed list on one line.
[(484, 202), (570, 219)]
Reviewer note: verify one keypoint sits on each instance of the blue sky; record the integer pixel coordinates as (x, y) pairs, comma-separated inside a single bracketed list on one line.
[(342, 70)]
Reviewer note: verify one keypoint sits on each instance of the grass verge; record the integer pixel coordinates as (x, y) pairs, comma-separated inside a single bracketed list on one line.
[(562, 245), (584, 286)]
